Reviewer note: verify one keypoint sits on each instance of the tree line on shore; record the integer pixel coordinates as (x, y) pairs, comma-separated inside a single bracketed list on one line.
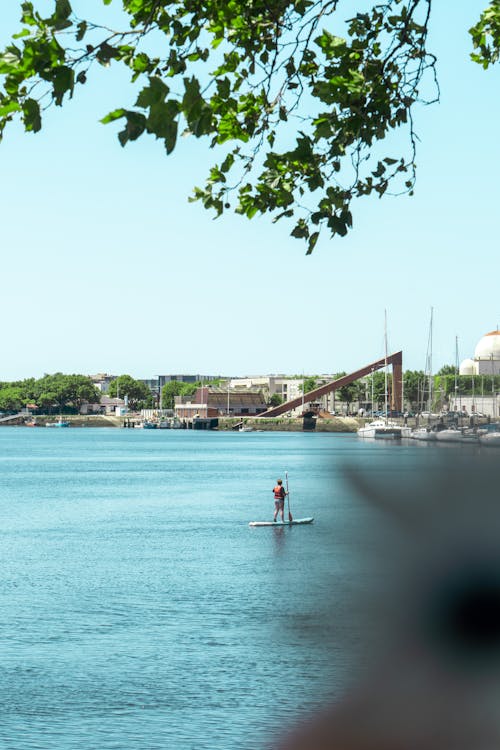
[(66, 393)]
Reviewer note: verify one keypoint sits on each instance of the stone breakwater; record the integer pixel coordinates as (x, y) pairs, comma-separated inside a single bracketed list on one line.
[(285, 424)]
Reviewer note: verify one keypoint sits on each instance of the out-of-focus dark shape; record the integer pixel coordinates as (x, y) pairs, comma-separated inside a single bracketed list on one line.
[(432, 615)]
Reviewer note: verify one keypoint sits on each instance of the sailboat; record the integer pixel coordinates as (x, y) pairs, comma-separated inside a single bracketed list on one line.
[(383, 427), (452, 434), (427, 433)]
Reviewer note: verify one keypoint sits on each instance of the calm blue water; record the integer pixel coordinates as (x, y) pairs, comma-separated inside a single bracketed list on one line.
[(139, 610)]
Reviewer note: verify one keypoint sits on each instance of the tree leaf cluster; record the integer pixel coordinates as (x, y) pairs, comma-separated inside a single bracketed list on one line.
[(297, 97), (486, 36)]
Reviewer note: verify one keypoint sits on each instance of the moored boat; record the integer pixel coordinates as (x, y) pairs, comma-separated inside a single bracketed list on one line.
[(450, 435), (423, 433), (383, 428), (490, 438), (60, 423)]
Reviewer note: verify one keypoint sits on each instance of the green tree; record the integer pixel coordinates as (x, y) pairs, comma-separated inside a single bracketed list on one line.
[(61, 390), (346, 393), (169, 391), (52, 391), (295, 97), (379, 389), (80, 389), (309, 384), (137, 392), (12, 398), (275, 400), (46, 401), (448, 370), (415, 385)]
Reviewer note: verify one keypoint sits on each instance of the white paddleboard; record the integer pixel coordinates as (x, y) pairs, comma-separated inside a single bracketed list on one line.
[(281, 523)]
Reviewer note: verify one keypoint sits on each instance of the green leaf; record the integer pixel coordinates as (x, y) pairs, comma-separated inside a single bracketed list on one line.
[(63, 80), (63, 9), (192, 95), (223, 87), (156, 92), (82, 30), (312, 242), (170, 136), (28, 16), (9, 108), (140, 62), (31, 116), (227, 163), (135, 127), (60, 18), (21, 34), (10, 60), (116, 114), (162, 122)]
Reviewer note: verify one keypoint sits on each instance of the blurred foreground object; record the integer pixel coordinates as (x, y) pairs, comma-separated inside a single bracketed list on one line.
[(432, 613)]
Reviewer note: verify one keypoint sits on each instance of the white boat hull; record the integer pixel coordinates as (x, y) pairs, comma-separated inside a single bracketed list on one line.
[(384, 430), (490, 438), (422, 433), (449, 436)]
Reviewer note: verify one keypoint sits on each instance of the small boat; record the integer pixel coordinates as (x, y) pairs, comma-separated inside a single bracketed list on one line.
[(147, 425), (59, 423)]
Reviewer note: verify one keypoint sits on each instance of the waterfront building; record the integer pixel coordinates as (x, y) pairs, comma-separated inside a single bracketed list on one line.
[(163, 379), (211, 401), (486, 359), (286, 387), (102, 380)]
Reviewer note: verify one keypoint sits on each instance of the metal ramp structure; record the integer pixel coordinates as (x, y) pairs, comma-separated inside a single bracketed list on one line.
[(396, 360), (12, 417)]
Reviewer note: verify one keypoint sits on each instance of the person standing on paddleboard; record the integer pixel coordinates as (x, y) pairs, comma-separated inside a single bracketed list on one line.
[(279, 500)]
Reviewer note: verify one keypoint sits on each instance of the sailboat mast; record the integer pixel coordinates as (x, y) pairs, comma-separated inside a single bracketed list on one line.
[(456, 376), (429, 364), (385, 364)]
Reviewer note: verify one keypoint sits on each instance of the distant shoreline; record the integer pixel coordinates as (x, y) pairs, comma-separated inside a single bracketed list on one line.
[(226, 424)]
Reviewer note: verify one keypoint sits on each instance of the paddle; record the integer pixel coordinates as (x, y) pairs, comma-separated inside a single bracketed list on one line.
[(290, 517)]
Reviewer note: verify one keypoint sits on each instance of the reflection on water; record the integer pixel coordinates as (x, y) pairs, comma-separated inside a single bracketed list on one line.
[(278, 533), (139, 609)]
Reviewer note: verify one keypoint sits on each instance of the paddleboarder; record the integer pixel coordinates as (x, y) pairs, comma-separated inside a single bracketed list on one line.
[(279, 500)]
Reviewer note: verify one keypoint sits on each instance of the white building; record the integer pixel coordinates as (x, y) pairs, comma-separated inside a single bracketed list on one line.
[(484, 363), (486, 360), (287, 388)]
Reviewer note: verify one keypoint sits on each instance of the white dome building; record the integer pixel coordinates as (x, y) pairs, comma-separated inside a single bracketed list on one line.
[(467, 367), (486, 357)]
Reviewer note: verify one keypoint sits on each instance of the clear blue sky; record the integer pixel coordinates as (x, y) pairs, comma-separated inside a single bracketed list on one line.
[(107, 267)]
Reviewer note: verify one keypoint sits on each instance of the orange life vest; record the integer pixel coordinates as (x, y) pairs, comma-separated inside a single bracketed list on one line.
[(279, 492)]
